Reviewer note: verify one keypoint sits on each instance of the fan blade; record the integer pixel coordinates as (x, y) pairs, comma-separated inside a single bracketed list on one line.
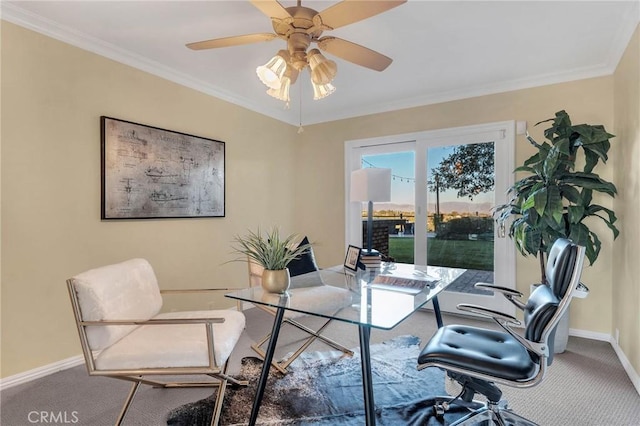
[(231, 41), (271, 8), (350, 11), (355, 53)]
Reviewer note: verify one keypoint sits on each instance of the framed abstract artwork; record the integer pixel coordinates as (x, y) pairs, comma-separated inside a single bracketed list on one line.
[(153, 173)]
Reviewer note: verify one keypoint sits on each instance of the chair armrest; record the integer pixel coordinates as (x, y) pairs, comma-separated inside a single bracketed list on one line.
[(207, 322), (503, 290), (508, 293), (489, 313), (159, 321)]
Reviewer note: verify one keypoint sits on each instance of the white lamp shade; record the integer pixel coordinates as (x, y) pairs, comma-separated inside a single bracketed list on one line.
[(371, 184)]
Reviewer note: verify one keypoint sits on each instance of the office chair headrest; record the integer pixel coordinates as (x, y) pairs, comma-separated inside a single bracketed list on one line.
[(559, 268)]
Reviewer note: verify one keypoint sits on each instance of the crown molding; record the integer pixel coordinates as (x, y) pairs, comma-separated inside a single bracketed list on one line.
[(49, 28), (466, 93), (21, 17)]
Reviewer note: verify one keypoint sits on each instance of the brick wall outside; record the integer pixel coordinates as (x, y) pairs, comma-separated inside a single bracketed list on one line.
[(380, 240)]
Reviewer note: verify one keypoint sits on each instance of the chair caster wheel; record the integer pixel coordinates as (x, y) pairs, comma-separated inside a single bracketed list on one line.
[(439, 409)]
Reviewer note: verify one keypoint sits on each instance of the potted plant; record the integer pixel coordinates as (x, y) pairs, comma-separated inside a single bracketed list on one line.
[(273, 253), (555, 198)]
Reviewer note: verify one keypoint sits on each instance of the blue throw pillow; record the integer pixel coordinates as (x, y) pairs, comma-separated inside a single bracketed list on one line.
[(303, 264)]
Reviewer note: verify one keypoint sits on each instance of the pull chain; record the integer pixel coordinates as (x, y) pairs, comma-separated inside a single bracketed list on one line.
[(300, 129)]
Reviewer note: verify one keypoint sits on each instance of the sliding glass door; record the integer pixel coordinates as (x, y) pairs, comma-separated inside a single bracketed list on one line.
[(398, 215), (444, 184)]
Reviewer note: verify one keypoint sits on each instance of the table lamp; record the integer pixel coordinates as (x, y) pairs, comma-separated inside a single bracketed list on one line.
[(370, 184)]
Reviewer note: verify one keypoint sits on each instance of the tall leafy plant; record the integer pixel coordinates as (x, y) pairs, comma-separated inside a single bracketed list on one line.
[(555, 198)]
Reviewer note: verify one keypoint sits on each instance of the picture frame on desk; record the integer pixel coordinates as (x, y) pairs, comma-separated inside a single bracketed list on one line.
[(352, 258)]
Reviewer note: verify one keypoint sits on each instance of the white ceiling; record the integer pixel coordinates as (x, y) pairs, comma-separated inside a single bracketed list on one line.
[(442, 50)]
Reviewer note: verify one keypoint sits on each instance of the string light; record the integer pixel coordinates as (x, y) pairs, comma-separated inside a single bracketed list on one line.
[(393, 176)]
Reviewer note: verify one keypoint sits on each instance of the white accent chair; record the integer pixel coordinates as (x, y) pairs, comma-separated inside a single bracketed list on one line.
[(124, 336)]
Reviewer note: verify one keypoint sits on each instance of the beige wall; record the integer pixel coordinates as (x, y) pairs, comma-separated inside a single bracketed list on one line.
[(320, 170), (626, 268), (52, 98)]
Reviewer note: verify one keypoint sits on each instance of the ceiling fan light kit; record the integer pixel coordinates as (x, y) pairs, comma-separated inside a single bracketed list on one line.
[(300, 26)]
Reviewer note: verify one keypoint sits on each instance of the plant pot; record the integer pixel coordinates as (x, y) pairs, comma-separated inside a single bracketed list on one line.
[(276, 281)]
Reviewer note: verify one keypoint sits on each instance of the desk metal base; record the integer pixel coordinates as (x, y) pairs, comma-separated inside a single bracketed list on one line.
[(367, 381), (365, 359), (264, 375)]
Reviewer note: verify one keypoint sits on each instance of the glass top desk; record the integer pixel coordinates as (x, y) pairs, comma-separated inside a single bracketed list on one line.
[(353, 298)]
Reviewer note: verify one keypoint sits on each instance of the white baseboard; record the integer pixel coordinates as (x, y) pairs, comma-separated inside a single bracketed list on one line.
[(628, 368), (603, 337), (631, 372), (40, 372)]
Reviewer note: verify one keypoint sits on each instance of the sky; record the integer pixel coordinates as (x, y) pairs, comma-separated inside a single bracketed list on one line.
[(402, 166)]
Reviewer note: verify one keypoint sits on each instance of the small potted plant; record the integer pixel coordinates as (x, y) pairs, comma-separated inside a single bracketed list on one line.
[(273, 253)]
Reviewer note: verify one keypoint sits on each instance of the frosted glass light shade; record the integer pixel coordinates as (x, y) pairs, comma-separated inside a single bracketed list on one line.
[(270, 74), (322, 90), (282, 92), (371, 184), (323, 70)]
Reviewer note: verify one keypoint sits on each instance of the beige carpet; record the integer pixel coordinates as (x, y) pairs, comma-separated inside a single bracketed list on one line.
[(585, 386)]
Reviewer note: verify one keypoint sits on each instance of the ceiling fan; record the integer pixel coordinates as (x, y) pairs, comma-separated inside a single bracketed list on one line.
[(300, 26)]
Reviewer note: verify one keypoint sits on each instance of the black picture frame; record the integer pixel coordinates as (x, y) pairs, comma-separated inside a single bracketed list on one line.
[(153, 173), (352, 258)]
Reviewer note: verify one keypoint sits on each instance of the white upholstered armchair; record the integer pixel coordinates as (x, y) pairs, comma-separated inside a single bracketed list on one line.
[(124, 336)]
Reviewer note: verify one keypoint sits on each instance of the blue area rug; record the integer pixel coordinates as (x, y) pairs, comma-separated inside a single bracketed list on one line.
[(325, 390)]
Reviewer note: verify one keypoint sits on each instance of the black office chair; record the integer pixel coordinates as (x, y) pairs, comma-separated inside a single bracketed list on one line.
[(478, 358)]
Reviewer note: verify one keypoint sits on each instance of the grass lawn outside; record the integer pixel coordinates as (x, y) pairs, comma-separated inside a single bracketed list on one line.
[(451, 253)]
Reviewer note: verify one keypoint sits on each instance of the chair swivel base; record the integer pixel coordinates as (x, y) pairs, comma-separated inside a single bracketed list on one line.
[(494, 414)]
